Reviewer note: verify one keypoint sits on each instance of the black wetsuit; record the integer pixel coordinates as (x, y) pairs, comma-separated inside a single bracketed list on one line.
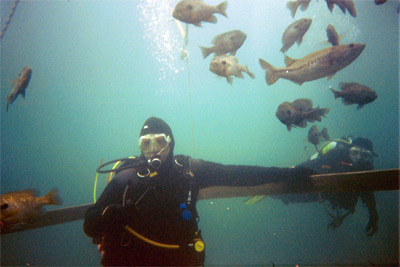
[(335, 161), (159, 204)]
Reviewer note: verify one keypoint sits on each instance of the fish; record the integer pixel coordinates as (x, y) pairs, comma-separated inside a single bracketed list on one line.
[(343, 5), (196, 11), (299, 112), (294, 33), (228, 42), (293, 5), (333, 36), (322, 63), (20, 207), (380, 2), (20, 85), (315, 136), (355, 93), (226, 66)]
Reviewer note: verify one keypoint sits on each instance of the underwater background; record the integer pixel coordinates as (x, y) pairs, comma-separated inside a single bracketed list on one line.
[(101, 68)]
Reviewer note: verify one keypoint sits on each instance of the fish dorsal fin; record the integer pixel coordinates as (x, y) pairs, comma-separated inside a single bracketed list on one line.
[(30, 191), (289, 61)]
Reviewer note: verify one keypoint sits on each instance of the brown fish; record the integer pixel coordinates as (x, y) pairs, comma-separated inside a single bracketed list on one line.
[(355, 93), (322, 63), (22, 206), (293, 5), (333, 36), (343, 5), (315, 136), (380, 2), (196, 11), (299, 112), (19, 85), (294, 33), (228, 42), (226, 66)]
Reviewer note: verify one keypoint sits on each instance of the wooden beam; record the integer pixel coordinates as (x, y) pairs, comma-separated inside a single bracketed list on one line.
[(377, 180)]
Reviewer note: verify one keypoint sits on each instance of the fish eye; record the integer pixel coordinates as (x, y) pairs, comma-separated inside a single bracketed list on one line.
[(351, 45), (4, 206), (223, 62), (288, 112), (189, 7)]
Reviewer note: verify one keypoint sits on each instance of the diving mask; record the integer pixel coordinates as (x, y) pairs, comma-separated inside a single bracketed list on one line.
[(357, 153), (153, 143)]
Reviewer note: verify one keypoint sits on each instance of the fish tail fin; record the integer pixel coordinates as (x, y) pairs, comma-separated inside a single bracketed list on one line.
[(270, 74), (323, 111), (222, 8), (206, 51), (249, 72), (292, 6), (324, 134), (53, 197), (318, 113), (335, 93)]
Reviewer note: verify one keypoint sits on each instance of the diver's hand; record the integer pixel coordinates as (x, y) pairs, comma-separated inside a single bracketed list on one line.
[(298, 179), (114, 216), (372, 226)]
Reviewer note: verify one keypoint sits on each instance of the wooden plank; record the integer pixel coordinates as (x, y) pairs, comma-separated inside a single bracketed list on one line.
[(377, 180)]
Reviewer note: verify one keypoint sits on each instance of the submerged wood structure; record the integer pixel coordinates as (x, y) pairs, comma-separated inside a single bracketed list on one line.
[(376, 180)]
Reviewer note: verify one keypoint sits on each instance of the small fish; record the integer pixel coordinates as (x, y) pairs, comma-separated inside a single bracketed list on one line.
[(293, 5), (315, 136), (19, 207), (19, 85), (343, 5), (380, 2), (322, 63), (333, 36), (294, 33), (299, 112), (355, 93), (196, 11), (226, 66), (228, 42)]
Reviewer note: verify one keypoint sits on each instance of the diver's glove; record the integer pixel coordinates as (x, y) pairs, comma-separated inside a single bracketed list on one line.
[(372, 226), (114, 216), (298, 179)]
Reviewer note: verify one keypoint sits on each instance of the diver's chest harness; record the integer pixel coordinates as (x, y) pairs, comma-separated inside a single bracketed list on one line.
[(186, 207)]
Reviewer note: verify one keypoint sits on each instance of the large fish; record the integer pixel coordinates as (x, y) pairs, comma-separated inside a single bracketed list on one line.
[(19, 85), (196, 11), (322, 63), (299, 112), (19, 207), (226, 66), (294, 33), (355, 93), (224, 43)]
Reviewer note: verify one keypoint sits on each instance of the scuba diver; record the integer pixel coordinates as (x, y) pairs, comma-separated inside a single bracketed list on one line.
[(147, 213), (341, 155)]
